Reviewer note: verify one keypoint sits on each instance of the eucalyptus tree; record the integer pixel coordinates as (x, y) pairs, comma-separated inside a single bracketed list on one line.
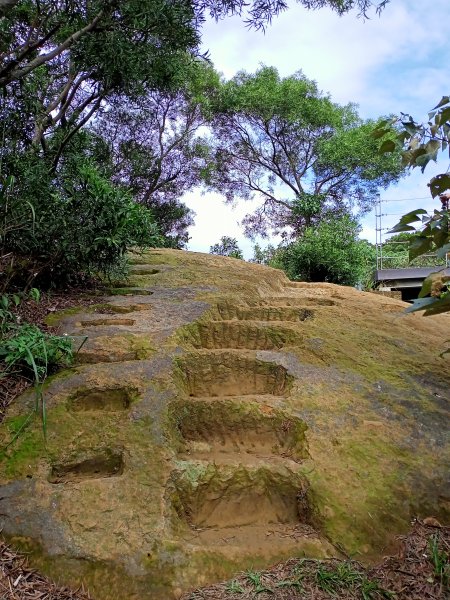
[(285, 143)]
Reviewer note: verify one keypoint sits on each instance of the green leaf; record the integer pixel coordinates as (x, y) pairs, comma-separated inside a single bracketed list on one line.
[(439, 184), (403, 136), (443, 251), (35, 294), (419, 245), (411, 127), (422, 161), (403, 224), (426, 287), (409, 157), (444, 116), (444, 100), (387, 146), (400, 227), (440, 236), (379, 132), (420, 304), (413, 216), (428, 283), (440, 305), (433, 147)]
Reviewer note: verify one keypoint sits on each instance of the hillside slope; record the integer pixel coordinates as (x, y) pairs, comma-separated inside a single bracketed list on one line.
[(221, 417)]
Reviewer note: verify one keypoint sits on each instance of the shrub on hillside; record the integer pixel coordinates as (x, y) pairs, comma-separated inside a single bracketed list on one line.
[(330, 252), (76, 222)]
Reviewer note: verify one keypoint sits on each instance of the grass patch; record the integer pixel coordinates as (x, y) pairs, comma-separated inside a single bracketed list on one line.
[(440, 561)]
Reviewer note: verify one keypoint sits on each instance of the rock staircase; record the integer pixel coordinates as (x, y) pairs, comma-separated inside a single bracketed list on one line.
[(241, 483), (177, 450)]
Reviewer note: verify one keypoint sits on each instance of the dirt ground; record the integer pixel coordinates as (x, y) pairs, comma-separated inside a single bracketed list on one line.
[(420, 571), (18, 582)]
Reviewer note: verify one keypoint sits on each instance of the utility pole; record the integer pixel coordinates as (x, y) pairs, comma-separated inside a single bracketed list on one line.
[(378, 233)]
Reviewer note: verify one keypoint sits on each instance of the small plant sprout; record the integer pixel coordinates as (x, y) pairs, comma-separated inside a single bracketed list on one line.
[(285, 583), (36, 354), (255, 579), (440, 560), (235, 587)]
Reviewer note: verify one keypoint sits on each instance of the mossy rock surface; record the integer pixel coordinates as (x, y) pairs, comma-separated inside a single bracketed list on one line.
[(221, 417)]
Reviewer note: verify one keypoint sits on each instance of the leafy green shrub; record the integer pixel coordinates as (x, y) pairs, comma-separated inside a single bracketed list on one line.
[(263, 256), (31, 350), (26, 351), (81, 222), (396, 253), (7, 317), (330, 252)]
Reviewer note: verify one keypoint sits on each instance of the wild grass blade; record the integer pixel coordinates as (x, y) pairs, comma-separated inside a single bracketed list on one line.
[(42, 399), (19, 431), (85, 339)]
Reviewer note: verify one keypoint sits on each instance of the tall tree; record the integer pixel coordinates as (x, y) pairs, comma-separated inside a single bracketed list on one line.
[(78, 52), (227, 246), (60, 60), (155, 147), (108, 37), (287, 144)]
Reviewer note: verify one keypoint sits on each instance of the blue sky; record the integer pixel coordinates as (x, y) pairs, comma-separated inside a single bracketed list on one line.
[(388, 64)]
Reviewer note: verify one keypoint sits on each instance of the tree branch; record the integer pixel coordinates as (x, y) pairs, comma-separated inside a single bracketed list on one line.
[(70, 135), (44, 58)]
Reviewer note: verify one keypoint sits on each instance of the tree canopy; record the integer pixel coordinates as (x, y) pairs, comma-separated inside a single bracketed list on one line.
[(106, 92), (303, 156), (155, 148), (227, 246)]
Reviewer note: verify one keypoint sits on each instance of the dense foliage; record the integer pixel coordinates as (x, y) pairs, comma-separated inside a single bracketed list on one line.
[(395, 252), (77, 222), (100, 106), (329, 252), (263, 256), (304, 157), (155, 148), (60, 63)]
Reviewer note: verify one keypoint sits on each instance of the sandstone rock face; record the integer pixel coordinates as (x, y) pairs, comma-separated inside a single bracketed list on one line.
[(220, 418)]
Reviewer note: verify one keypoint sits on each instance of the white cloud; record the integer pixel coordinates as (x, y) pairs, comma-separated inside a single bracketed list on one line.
[(215, 219)]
